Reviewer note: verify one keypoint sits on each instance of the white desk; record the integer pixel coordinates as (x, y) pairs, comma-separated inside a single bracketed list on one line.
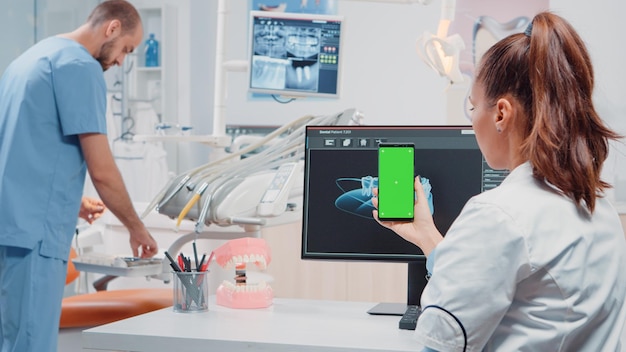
[(288, 325)]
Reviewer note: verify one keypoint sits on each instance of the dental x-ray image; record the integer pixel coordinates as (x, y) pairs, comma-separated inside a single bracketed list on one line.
[(327, 7), (295, 55), (285, 56)]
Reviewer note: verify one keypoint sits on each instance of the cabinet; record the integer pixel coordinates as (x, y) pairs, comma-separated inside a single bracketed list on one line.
[(140, 97), (159, 88), (155, 85)]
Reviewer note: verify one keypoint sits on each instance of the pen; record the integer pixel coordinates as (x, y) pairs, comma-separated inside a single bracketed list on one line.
[(172, 262), (195, 254), (210, 258), (181, 262), (202, 262), (187, 264), (191, 289), (203, 268)]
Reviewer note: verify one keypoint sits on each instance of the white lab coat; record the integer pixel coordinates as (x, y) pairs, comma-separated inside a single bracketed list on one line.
[(523, 269)]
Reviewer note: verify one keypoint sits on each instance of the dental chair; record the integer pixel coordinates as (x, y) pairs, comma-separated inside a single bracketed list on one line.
[(102, 306)]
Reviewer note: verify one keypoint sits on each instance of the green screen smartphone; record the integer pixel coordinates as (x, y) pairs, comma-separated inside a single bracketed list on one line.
[(396, 193)]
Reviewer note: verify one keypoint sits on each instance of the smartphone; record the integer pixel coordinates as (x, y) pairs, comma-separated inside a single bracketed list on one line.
[(396, 193)]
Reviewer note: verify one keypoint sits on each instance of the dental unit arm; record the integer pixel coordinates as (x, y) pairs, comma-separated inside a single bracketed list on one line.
[(264, 188), (250, 192)]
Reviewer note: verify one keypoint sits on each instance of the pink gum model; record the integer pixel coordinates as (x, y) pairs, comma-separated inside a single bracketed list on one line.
[(243, 251)]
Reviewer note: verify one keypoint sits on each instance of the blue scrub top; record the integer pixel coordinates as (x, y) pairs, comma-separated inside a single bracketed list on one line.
[(48, 96)]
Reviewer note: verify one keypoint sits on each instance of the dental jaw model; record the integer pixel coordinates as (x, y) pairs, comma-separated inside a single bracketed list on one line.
[(238, 254)]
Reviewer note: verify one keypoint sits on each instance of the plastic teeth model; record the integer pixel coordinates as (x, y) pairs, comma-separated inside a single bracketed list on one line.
[(238, 254)]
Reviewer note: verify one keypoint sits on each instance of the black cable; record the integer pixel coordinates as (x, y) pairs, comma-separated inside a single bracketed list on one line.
[(455, 318), (283, 101)]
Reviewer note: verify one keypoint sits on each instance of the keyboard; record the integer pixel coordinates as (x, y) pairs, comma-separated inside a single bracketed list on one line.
[(409, 318)]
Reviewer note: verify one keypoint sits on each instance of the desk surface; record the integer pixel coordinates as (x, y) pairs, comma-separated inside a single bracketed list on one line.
[(287, 325)]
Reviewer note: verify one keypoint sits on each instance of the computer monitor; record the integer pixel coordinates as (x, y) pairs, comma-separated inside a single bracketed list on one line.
[(341, 164), (295, 54)]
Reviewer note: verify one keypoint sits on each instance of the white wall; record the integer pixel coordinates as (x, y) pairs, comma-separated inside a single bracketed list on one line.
[(16, 30), (383, 75), (385, 79), (600, 25), (22, 23)]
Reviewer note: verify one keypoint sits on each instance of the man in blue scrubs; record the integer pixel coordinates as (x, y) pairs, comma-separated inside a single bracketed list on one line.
[(52, 130)]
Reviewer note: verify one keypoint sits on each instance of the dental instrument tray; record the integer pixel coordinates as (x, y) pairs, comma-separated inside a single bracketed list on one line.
[(117, 265)]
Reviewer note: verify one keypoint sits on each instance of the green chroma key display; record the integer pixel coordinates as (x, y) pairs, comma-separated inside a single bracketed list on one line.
[(396, 193)]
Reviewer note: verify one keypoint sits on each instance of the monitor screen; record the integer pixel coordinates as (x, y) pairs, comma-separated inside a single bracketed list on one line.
[(341, 165), (295, 54)]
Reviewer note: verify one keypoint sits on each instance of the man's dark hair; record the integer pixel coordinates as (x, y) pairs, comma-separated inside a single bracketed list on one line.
[(120, 10)]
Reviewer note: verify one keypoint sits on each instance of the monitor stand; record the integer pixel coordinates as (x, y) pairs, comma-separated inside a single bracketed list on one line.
[(387, 308), (416, 281)]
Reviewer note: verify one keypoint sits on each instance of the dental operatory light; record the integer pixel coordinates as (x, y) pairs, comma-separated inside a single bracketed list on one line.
[(441, 52)]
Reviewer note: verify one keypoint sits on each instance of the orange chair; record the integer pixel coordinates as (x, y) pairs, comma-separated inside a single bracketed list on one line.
[(102, 307)]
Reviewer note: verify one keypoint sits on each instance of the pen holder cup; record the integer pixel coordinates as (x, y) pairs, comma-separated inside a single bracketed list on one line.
[(191, 291)]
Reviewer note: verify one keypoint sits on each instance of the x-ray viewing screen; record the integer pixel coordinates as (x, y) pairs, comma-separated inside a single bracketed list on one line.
[(341, 170), (295, 54)]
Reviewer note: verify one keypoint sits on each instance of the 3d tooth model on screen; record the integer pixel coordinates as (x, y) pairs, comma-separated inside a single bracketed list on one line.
[(229, 191)]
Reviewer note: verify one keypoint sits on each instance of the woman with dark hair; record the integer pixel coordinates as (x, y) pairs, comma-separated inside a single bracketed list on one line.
[(52, 131), (538, 263)]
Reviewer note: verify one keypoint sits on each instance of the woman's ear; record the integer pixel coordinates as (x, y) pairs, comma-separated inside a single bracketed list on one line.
[(504, 114)]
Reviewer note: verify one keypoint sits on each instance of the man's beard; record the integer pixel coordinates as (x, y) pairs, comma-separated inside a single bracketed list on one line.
[(105, 53)]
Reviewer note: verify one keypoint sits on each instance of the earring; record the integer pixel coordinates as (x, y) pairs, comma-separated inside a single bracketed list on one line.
[(498, 129)]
